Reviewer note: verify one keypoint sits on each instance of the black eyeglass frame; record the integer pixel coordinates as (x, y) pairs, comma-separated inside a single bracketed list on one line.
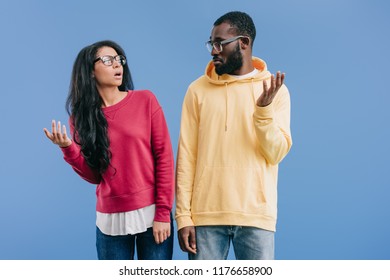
[(108, 60), (218, 46)]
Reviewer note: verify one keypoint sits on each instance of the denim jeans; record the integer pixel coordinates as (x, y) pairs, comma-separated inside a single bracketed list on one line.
[(122, 247), (249, 243)]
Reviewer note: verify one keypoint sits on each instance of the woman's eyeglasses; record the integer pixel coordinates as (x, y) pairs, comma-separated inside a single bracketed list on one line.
[(108, 60)]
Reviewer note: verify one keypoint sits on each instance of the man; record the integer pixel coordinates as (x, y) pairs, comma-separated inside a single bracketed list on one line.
[(235, 129)]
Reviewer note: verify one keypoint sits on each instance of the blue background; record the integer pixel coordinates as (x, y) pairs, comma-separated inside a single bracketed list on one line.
[(334, 184)]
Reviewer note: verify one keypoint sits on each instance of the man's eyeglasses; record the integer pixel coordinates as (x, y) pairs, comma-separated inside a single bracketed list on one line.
[(108, 60), (218, 46)]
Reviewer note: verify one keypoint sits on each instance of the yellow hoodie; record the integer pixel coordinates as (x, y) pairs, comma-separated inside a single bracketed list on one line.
[(229, 150)]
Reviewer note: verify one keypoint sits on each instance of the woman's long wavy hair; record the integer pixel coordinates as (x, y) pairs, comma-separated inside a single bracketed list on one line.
[(84, 105)]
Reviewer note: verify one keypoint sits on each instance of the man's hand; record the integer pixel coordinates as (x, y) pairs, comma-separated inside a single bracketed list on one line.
[(187, 239), (269, 94), (161, 231)]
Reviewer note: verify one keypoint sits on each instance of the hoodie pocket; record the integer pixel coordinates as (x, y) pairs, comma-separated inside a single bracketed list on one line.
[(227, 189)]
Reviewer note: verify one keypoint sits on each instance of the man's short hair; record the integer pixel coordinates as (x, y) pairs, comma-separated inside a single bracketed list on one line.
[(241, 22)]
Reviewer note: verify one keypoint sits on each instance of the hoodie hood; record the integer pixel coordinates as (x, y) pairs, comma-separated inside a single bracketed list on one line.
[(227, 80), (224, 79)]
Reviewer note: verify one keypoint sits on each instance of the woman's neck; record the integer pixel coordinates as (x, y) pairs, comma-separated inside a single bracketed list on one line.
[(111, 96)]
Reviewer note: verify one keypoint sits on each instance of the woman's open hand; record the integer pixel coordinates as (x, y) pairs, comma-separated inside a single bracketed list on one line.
[(58, 135)]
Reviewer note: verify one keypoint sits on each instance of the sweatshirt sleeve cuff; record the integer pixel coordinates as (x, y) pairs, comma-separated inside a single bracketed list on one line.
[(162, 215), (71, 151), (266, 112), (184, 221)]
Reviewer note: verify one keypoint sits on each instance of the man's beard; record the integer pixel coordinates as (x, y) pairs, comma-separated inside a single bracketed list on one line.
[(233, 63)]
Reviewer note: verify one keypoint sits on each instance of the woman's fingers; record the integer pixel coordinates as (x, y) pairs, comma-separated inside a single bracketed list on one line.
[(59, 129), (53, 128), (48, 134), (161, 231), (64, 135), (58, 134)]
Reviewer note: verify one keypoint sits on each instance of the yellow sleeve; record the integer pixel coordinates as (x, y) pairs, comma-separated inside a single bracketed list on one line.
[(186, 159), (272, 125)]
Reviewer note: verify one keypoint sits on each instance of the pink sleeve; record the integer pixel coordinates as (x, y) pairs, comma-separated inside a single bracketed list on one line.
[(73, 156), (164, 175)]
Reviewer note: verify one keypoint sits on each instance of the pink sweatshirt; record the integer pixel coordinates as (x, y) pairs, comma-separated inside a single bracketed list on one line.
[(141, 155)]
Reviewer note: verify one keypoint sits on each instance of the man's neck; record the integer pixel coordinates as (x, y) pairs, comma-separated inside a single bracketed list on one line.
[(247, 67)]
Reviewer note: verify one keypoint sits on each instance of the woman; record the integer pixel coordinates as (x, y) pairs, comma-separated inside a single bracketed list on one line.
[(120, 141)]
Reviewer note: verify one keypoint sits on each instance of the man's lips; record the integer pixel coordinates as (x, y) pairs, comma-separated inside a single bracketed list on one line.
[(217, 60), (217, 63)]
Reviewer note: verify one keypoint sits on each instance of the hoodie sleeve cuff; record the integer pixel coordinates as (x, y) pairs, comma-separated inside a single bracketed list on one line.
[(263, 113), (184, 221)]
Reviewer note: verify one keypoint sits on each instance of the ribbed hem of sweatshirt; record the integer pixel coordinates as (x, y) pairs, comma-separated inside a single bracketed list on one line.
[(234, 219)]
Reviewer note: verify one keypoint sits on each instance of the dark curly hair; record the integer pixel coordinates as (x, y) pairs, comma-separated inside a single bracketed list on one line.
[(84, 105), (241, 22)]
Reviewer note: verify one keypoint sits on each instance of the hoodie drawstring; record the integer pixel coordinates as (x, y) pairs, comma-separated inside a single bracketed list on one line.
[(253, 93), (227, 106)]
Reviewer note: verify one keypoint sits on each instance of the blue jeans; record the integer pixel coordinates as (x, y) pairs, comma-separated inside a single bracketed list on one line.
[(122, 247), (249, 243)]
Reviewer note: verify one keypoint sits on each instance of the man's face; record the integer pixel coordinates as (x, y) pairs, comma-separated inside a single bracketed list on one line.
[(229, 60)]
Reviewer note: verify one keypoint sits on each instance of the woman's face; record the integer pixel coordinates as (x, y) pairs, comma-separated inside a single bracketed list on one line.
[(108, 69)]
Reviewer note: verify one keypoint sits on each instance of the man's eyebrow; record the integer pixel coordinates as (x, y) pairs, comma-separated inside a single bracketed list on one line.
[(217, 39)]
